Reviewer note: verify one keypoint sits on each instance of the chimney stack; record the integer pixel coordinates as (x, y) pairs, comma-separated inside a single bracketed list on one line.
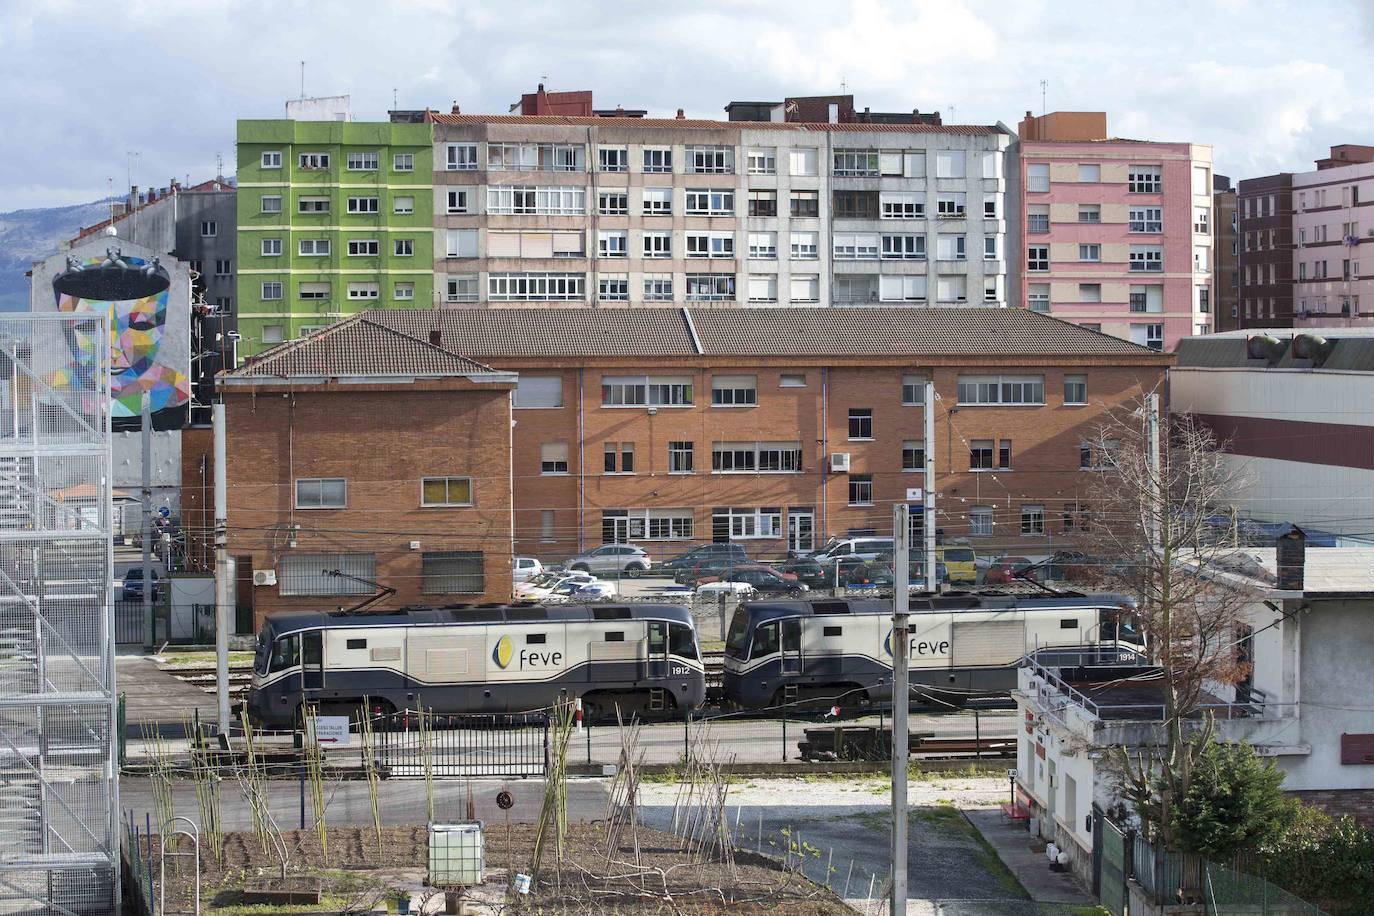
[(1291, 559), (133, 198), (435, 338), (680, 115)]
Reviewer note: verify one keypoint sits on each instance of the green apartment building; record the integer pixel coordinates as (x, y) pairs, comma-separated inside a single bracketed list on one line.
[(334, 217)]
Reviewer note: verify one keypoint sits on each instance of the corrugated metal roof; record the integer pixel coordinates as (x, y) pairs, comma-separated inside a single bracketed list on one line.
[(359, 346), (1349, 354), (700, 124), (864, 331)]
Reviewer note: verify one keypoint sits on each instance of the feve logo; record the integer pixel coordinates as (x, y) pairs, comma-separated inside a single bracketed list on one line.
[(503, 652)]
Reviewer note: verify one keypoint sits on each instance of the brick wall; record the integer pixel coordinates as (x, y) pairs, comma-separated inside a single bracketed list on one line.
[(1358, 803)]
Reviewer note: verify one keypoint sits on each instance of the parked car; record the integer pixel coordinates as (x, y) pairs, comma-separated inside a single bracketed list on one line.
[(133, 584), (579, 592), (1011, 569), (766, 581), (866, 548), (686, 561), (713, 590), (618, 559), (807, 570), (961, 564), (525, 568), (878, 574), (844, 565), (547, 583), (706, 569), (733, 574)]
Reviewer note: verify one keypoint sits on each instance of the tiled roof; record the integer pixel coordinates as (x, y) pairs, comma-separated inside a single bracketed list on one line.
[(859, 331), (359, 346), (700, 124)]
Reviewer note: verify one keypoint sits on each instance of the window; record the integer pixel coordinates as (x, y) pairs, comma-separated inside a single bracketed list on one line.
[(553, 458), (363, 162), (1146, 219), (803, 162), (763, 288), (860, 423), (209, 229), (196, 265), (1089, 172), (1089, 213), (792, 380), (980, 521), (989, 248), (1090, 252), (462, 243), (756, 457), (747, 523), (805, 246), (1038, 257), (613, 288), (1038, 218), (271, 248), (446, 491), (1146, 297), (990, 208), (806, 203), (951, 288), (763, 203), (403, 205), (1038, 177), (658, 287), (271, 203), (980, 455), (314, 248), (313, 161), (658, 201), (314, 290), (364, 290), (1202, 220), (975, 390), (710, 287), (550, 201), (680, 458), (538, 391), (614, 244), (709, 202), (950, 163), (902, 288), (854, 204), (1202, 260), (860, 163), (913, 455), (854, 246), (658, 244), (452, 572), (1032, 521), (854, 288), (903, 247), (403, 162), (463, 288), (272, 289), (861, 489), (524, 287), (358, 248), (1004, 454), (901, 204), (734, 391), (1144, 179), (613, 203), (321, 493), (949, 247), (1038, 297), (913, 391), (805, 288), (458, 201), (1147, 258), (640, 391), (305, 573), (949, 205), (1090, 292), (403, 248), (710, 244), (403, 291), (625, 452), (658, 160), (1075, 389), (312, 205), (763, 161), (363, 204), (718, 159), (613, 159), (763, 246), (271, 159)]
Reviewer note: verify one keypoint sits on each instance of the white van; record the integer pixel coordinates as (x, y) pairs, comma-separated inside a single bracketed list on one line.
[(864, 548)]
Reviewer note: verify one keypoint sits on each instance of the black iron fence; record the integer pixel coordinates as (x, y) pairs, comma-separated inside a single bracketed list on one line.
[(181, 624), (515, 745)]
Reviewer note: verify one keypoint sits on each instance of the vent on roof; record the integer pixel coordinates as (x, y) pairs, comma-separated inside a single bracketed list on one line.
[(1265, 347), (435, 337), (1313, 347)]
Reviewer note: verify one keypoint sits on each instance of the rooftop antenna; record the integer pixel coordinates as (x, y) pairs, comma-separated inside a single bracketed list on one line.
[(110, 181), (129, 157), (302, 81), (394, 104), (1044, 85), (844, 86), (952, 109)]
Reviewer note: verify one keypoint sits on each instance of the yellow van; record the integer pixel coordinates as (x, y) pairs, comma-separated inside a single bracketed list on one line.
[(960, 566)]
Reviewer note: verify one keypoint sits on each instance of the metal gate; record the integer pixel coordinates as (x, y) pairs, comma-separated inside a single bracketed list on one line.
[(465, 745), (131, 626), (1113, 867)]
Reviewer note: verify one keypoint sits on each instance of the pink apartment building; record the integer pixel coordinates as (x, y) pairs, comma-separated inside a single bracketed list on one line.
[(1331, 286), (1118, 233)]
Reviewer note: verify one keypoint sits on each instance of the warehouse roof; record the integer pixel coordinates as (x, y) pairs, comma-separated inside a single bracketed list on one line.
[(1352, 350)]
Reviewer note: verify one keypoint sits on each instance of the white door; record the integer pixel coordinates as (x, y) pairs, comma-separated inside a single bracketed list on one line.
[(801, 530)]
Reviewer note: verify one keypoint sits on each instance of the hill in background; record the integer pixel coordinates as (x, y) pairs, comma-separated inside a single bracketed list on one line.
[(28, 235)]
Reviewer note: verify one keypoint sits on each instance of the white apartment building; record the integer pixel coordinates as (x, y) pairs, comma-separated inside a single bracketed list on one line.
[(1329, 229), (623, 211)]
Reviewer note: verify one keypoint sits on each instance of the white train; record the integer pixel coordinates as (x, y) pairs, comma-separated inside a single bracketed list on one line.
[(961, 646), (459, 659)]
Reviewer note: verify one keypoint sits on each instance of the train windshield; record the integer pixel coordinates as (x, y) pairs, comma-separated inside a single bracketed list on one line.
[(682, 641), (263, 653), (737, 637), (1123, 625), (286, 653)]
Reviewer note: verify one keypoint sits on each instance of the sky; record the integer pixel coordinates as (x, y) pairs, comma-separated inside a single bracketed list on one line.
[(147, 90)]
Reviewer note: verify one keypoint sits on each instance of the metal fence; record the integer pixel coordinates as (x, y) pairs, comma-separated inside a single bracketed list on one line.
[(462, 745), (58, 829), (179, 624), (1227, 890)]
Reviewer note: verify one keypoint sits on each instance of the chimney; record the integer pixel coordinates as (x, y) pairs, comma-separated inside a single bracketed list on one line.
[(435, 337), (1291, 559), (455, 110), (133, 198), (620, 111), (680, 115)]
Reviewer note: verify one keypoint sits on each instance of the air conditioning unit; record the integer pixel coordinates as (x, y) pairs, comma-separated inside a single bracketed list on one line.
[(839, 462), (264, 577)]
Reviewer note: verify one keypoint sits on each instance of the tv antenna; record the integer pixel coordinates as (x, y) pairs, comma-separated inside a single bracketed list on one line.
[(129, 157), (1044, 86), (302, 81)]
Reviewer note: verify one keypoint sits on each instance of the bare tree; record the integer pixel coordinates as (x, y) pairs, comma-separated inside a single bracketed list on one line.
[(1161, 479)]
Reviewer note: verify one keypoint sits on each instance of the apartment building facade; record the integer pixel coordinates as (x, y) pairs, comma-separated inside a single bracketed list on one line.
[(1225, 254), (1118, 233), (334, 217), (1331, 224), (1264, 208), (630, 211), (777, 427)]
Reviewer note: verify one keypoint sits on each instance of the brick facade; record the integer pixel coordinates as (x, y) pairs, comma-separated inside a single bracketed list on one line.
[(1357, 803)]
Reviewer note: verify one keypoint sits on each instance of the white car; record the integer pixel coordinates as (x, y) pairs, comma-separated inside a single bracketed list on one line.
[(545, 584), (713, 590), (579, 592), (525, 568)]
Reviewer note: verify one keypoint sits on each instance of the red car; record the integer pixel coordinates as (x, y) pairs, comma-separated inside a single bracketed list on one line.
[(1010, 569)]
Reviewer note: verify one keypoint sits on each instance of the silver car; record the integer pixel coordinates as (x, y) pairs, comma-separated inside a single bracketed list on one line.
[(623, 559)]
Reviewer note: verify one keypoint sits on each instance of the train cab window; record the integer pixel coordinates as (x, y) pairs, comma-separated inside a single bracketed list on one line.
[(681, 642), (286, 653), (791, 635), (534, 639), (312, 649), (834, 631), (737, 638), (357, 644), (658, 637), (615, 636), (1068, 623), (765, 640)]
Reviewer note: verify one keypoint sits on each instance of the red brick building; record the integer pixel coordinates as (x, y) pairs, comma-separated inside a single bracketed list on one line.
[(374, 453)]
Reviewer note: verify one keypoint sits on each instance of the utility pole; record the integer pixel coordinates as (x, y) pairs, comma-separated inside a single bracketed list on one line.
[(933, 582), (146, 436), (223, 569), (901, 694)]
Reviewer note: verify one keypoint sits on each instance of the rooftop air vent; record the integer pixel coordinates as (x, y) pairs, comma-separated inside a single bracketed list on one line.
[(1313, 347), (1265, 347)]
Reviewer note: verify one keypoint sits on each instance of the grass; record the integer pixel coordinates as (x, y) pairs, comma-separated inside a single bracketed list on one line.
[(951, 818), (203, 659), (713, 645)]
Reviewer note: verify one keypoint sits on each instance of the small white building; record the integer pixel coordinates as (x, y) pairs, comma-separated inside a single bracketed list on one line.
[(1308, 702)]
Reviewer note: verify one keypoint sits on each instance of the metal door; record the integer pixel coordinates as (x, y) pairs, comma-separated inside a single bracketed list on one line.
[(1112, 883), (658, 649), (801, 530), (312, 661), (791, 647)]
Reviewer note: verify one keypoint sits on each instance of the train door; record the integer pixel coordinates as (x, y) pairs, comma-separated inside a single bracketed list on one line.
[(312, 660), (658, 649), (791, 647)]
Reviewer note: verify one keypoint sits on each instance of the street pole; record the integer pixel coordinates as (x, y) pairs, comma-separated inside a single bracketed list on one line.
[(901, 601), (223, 571), (933, 582), (146, 437)]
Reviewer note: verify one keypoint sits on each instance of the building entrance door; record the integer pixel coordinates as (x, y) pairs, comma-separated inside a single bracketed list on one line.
[(801, 530)]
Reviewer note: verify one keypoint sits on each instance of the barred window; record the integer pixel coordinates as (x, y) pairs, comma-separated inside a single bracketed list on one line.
[(311, 573), (452, 572)]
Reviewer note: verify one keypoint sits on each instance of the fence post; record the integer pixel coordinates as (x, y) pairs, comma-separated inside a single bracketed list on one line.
[(687, 738), (977, 735), (784, 734), (121, 739), (587, 724)]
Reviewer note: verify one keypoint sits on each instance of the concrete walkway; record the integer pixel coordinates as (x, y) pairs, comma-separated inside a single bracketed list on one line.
[(1012, 844), (154, 697)]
